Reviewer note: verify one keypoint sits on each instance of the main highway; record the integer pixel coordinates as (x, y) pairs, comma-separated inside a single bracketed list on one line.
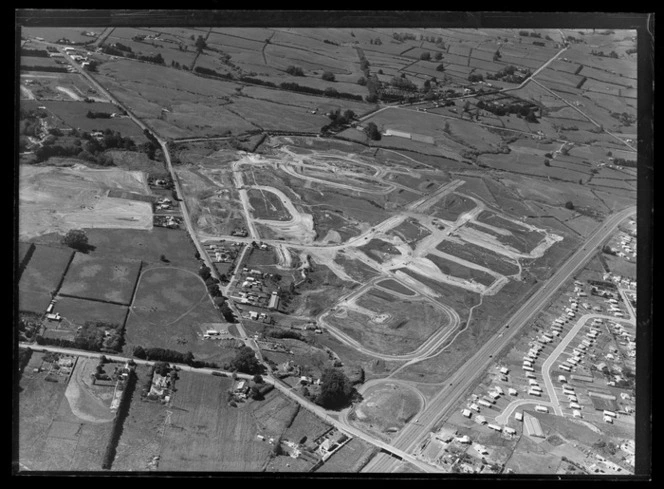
[(458, 384)]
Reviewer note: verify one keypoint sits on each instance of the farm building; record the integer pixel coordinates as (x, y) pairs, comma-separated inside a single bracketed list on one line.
[(480, 419), (518, 416), (394, 132), (512, 391), (533, 427), (466, 413), (274, 301)]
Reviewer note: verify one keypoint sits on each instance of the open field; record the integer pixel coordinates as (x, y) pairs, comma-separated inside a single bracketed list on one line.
[(73, 114), (169, 306), (206, 434), (305, 424), (457, 298), (45, 269), (481, 256), (102, 279), (58, 86), (385, 409), (54, 34), (54, 199), (76, 312)]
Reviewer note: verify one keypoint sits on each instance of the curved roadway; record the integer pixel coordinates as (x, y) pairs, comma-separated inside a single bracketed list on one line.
[(441, 405)]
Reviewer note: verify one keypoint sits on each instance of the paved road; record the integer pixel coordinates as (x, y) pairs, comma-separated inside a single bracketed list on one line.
[(441, 405)]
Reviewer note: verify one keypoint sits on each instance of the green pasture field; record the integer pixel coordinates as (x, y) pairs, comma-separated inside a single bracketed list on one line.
[(481, 256), (36, 61), (74, 113), (449, 267), (276, 116), (267, 205), (356, 269), (208, 435), (33, 301), (274, 413), (306, 424), (168, 310), (451, 206), (45, 269), (53, 34), (101, 278), (76, 311), (395, 286), (306, 102)]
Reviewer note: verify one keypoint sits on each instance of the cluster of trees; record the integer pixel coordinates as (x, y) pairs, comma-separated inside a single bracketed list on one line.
[(295, 71), (336, 390), (376, 41), (326, 41), (200, 44), (403, 83), (524, 110), (624, 118), (36, 53), (328, 92), (403, 36), (475, 77), (76, 239), (509, 74), (118, 421), (98, 115), (163, 355), (286, 333), (122, 47), (99, 336), (612, 54), (531, 34), (115, 51), (372, 132), (51, 69), (339, 120), (245, 361), (91, 338)]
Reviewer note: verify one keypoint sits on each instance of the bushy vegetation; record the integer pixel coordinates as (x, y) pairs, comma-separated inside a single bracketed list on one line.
[(335, 389), (245, 361), (118, 422), (115, 51)]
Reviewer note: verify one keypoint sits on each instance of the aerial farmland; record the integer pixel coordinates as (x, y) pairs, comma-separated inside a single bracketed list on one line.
[(297, 249)]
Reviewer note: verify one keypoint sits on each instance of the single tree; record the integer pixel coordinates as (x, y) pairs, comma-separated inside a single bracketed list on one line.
[(372, 132), (139, 352), (362, 81), (446, 128), (258, 379), (164, 259), (547, 162), (438, 56), (200, 44), (569, 205), (425, 56), (328, 76), (77, 239)]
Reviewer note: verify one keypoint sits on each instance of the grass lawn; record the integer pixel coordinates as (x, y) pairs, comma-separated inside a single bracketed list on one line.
[(110, 279), (45, 268)]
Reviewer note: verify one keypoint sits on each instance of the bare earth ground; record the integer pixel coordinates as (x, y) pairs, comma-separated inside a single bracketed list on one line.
[(59, 199)]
